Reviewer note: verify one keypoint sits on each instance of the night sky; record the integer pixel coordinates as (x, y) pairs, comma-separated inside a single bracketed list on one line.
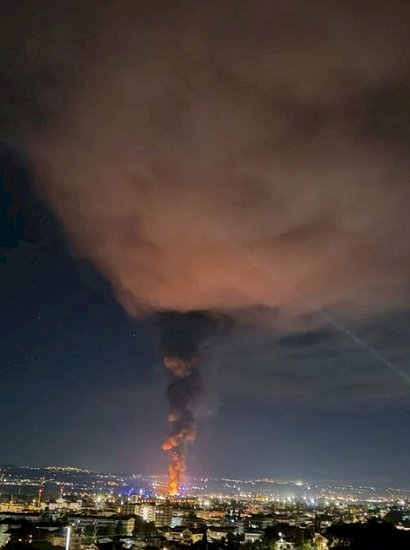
[(260, 174)]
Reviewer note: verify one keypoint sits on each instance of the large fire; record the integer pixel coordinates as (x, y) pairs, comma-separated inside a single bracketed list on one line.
[(181, 391), (182, 334), (176, 471)]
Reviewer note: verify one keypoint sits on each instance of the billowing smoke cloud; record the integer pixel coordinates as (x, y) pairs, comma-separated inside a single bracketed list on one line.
[(217, 155)]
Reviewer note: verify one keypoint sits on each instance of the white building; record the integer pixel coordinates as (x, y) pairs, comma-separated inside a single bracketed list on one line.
[(253, 535), (218, 533), (146, 512)]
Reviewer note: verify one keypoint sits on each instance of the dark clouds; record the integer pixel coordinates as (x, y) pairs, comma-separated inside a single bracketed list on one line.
[(319, 369), (220, 156)]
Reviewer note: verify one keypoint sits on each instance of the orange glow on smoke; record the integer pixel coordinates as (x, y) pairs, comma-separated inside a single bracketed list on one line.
[(171, 443), (179, 367)]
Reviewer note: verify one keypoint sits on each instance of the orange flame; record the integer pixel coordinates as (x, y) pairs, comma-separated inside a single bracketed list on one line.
[(176, 471), (182, 390), (176, 468)]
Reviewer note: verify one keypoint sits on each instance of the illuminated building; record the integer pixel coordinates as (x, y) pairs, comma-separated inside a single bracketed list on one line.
[(163, 516), (253, 535), (260, 522), (210, 515), (217, 533), (129, 509), (145, 512), (12, 506), (320, 542)]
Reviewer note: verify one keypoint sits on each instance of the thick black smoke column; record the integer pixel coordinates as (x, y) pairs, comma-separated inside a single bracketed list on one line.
[(182, 335)]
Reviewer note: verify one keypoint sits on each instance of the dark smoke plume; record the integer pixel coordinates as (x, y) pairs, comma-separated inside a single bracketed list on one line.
[(182, 336)]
